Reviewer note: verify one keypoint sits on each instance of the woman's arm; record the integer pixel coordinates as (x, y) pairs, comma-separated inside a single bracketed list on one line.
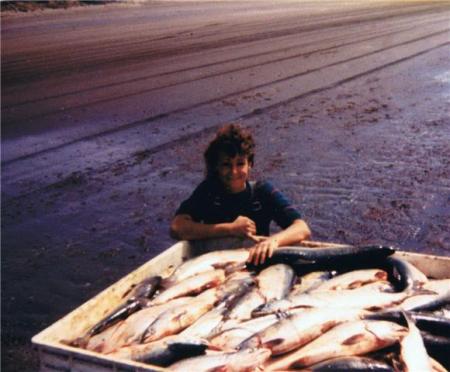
[(183, 227), (294, 234)]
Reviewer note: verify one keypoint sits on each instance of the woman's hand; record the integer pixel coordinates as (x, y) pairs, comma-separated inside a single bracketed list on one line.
[(243, 227), (263, 250)]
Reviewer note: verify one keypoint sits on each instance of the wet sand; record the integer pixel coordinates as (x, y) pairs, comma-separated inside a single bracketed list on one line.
[(366, 161)]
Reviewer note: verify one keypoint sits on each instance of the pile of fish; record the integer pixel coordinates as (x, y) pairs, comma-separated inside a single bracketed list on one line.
[(314, 309)]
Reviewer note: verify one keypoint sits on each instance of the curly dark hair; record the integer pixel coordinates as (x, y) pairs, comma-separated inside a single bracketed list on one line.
[(230, 140)]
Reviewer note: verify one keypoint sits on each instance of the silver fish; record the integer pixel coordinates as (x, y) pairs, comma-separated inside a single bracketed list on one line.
[(243, 308), (347, 339), (207, 324), (234, 332), (296, 330), (191, 286), (238, 361), (433, 293), (310, 281), (205, 262), (103, 341), (371, 296), (132, 328), (275, 281), (178, 318), (412, 350), (353, 279)]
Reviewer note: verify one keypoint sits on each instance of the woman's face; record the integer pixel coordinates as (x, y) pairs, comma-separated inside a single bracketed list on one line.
[(233, 172)]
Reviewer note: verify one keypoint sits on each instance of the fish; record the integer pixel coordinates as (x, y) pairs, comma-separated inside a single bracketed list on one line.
[(275, 281), (347, 339), (242, 309), (191, 286), (296, 330), (433, 294), (404, 274), (120, 313), (310, 281), (234, 332), (371, 296), (237, 361), (427, 322), (336, 257), (162, 352), (135, 299), (413, 353), (234, 287), (132, 328), (353, 279), (348, 364), (208, 324), (436, 345), (177, 318), (101, 342), (144, 289), (135, 325), (205, 262), (438, 367)]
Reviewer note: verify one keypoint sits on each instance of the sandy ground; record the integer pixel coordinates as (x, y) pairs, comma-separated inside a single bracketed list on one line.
[(366, 161)]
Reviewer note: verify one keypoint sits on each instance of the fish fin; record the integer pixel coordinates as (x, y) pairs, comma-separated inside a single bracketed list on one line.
[(167, 282), (326, 326), (353, 339), (80, 342), (274, 342), (409, 320), (419, 290), (280, 314), (222, 368)]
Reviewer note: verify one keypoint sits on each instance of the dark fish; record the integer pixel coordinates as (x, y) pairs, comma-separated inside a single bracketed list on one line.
[(356, 364), (308, 259), (437, 325), (162, 352), (404, 275), (441, 343), (136, 299), (120, 313), (144, 289)]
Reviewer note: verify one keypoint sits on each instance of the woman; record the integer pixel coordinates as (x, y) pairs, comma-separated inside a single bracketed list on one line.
[(227, 204)]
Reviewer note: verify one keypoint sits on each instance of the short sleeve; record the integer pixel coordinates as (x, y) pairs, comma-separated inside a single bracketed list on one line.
[(194, 204), (282, 210)]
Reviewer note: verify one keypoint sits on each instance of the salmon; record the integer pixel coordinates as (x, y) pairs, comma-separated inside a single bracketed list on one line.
[(131, 329), (233, 332), (238, 361), (353, 279), (275, 281), (208, 324), (296, 330), (162, 352), (412, 350), (405, 274), (371, 296), (205, 262), (191, 286), (310, 281), (347, 339), (180, 317), (243, 308), (354, 364)]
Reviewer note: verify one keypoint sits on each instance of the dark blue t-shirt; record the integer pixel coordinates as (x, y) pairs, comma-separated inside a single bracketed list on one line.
[(260, 201)]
